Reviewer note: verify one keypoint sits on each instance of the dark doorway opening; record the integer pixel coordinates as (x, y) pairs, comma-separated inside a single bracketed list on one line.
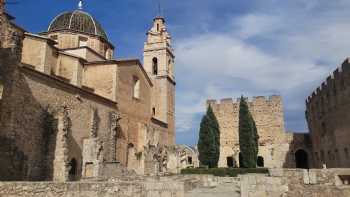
[(301, 159), (189, 160), (240, 160), (260, 161), (73, 169), (230, 162)]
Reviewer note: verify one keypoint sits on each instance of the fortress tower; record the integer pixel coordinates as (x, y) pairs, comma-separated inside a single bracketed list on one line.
[(159, 65), (269, 118)]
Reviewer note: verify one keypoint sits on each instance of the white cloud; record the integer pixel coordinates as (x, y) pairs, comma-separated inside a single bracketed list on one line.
[(262, 53)]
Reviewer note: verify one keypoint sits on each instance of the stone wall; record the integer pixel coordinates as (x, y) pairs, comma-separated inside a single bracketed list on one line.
[(294, 182), (279, 182), (30, 104), (125, 186), (69, 40), (274, 143), (327, 114), (97, 189)]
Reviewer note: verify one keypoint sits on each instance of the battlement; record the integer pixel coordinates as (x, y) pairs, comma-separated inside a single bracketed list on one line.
[(337, 80), (252, 100)]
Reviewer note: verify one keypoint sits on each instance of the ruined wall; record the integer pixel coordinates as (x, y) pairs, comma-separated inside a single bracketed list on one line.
[(29, 107), (327, 114), (94, 189), (269, 119)]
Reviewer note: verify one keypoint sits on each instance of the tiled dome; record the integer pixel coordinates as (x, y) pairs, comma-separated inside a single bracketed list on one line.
[(77, 21)]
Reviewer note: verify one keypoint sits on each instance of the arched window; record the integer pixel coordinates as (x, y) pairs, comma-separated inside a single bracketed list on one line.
[(155, 66), (157, 27), (73, 169), (83, 41), (136, 88), (154, 111)]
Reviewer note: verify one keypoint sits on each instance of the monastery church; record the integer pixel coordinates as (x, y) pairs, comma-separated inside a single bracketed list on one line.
[(69, 110)]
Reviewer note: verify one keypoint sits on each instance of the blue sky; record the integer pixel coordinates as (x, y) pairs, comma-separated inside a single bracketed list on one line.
[(224, 48)]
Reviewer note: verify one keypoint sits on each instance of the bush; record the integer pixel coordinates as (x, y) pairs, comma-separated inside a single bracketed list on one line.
[(224, 172)]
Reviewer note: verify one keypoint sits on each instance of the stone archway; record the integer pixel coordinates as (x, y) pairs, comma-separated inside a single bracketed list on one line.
[(301, 159)]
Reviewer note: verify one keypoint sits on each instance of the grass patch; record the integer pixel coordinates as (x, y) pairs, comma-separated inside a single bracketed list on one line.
[(228, 172)]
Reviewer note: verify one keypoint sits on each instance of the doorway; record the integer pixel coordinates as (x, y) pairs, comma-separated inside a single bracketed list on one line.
[(73, 169), (301, 159), (230, 162), (260, 161)]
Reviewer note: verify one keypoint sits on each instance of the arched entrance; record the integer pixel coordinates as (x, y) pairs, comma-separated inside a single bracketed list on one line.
[(73, 169), (301, 159), (230, 162), (260, 161)]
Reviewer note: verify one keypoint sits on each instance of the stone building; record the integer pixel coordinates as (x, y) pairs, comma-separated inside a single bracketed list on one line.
[(277, 148), (69, 110), (328, 118)]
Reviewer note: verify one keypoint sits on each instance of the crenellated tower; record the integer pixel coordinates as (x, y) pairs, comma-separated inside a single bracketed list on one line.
[(159, 64)]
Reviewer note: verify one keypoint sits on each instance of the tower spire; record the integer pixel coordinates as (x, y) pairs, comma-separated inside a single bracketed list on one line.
[(80, 5)]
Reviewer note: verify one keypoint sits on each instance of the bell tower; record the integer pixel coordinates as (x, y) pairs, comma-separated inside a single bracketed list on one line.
[(159, 65)]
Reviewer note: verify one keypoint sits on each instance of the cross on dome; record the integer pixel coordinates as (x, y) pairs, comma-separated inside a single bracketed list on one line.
[(80, 5)]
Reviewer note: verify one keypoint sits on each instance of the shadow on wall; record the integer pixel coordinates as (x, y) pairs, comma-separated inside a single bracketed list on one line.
[(28, 128), (299, 153), (13, 162), (19, 159)]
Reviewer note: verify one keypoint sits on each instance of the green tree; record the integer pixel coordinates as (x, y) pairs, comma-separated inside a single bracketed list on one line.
[(248, 136), (209, 140)]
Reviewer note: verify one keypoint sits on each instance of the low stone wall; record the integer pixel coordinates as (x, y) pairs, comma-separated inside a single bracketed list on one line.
[(92, 189), (296, 182), (279, 182)]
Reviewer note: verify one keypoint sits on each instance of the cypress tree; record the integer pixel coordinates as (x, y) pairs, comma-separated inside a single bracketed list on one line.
[(248, 137), (209, 140)]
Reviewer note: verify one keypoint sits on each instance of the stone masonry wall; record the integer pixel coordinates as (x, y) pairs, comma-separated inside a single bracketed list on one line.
[(296, 182), (279, 182), (149, 188), (269, 118), (327, 114), (31, 98)]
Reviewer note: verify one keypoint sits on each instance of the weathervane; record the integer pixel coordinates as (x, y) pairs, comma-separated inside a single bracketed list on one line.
[(80, 5)]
